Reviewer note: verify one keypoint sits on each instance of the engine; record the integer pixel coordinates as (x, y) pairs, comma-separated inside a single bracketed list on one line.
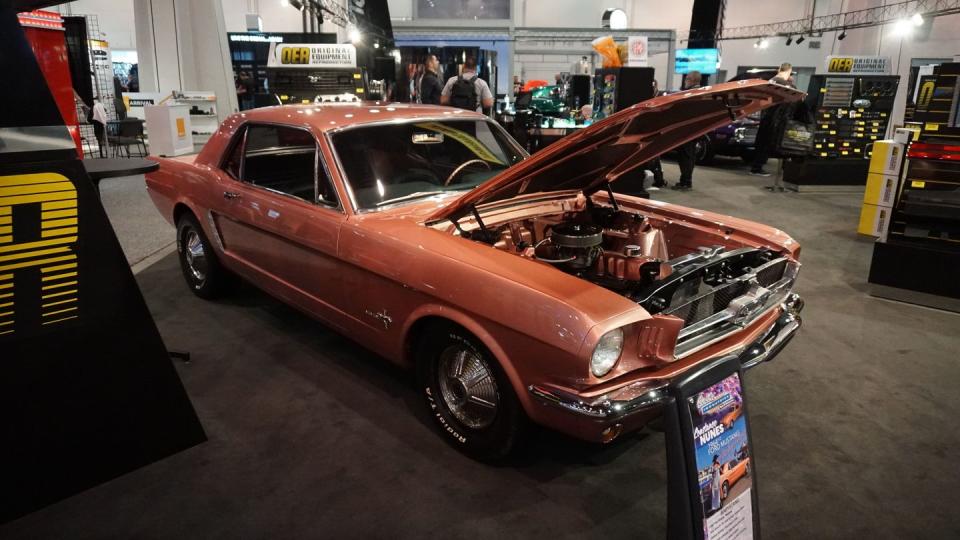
[(615, 249)]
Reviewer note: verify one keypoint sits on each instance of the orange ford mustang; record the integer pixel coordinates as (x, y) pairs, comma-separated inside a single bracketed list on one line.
[(520, 288)]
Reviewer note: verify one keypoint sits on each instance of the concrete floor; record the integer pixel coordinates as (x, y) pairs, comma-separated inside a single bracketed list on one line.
[(312, 436)]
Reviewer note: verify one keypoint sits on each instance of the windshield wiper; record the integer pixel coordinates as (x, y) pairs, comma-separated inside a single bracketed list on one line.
[(416, 195)]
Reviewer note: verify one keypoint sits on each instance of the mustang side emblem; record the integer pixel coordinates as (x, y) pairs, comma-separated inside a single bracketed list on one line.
[(387, 320)]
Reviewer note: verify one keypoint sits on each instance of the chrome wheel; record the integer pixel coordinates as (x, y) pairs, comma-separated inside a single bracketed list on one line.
[(468, 387), (194, 254)]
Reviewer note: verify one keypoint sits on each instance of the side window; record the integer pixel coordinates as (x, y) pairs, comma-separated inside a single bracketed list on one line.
[(281, 159), (232, 164)]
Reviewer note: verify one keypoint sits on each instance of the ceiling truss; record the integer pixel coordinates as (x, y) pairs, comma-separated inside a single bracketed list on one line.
[(862, 18)]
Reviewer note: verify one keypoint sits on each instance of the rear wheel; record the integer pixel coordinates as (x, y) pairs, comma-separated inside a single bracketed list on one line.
[(467, 393), (199, 263)]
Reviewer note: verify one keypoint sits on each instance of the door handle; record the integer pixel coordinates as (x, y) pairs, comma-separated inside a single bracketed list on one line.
[(230, 195)]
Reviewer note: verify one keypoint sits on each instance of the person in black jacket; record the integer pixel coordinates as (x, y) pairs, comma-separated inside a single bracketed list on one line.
[(687, 152), (430, 86), (770, 122)]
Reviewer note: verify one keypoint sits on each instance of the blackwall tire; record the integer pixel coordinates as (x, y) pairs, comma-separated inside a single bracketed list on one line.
[(201, 268), (705, 152), (724, 490), (467, 394)]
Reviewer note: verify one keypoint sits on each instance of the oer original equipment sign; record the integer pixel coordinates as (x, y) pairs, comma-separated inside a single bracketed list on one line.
[(859, 65), (311, 55)]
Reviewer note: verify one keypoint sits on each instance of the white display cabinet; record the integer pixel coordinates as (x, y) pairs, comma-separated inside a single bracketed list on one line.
[(202, 108), (170, 129)]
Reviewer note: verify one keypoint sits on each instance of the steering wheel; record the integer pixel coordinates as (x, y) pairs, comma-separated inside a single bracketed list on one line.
[(463, 166)]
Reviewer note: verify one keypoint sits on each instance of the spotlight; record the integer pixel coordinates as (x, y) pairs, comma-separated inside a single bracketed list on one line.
[(297, 4), (903, 27), (800, 39), (789, 40), (917, 19), (764, 43), (354, 35), (843, 34)]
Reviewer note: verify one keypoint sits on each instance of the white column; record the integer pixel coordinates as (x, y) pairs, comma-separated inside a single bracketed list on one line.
[(182, 45)]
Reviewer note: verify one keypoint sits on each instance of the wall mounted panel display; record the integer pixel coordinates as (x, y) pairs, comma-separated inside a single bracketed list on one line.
[(702, 60)]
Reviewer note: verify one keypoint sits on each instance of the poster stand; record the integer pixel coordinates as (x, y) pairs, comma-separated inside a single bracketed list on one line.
[(706, 417), (88, 391)]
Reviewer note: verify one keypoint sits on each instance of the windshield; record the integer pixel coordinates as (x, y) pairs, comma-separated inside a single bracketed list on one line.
[(389, 164)]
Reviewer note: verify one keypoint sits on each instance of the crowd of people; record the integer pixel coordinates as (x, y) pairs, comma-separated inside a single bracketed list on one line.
[(465, 91)]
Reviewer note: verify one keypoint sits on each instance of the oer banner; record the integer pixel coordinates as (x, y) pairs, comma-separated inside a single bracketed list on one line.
[(859, 65)]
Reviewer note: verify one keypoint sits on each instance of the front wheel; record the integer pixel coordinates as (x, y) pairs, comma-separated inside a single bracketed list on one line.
[(467, 393), (704, 151), (724, 491)]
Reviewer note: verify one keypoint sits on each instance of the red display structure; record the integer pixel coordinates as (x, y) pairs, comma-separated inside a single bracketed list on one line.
[(44, 31)]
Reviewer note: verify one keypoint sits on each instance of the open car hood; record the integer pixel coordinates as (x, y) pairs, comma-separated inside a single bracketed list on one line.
[(614, 146)]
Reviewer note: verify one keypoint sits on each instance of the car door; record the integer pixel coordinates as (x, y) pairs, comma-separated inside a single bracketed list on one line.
[(279, 217)]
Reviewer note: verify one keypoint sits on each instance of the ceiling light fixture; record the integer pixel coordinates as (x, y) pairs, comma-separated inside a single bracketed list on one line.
[(800, 39), (843, 34), (764, 43), (789, 40), (917, 19), (903, 27)]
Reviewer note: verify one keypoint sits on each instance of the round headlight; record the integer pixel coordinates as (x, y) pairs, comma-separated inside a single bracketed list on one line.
[(607, 352)]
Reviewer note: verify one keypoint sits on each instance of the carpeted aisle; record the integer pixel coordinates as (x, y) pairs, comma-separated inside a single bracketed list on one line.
[(312, 436)]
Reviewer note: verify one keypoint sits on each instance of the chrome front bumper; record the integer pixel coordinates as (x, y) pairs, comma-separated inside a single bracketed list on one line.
[(651, 393)]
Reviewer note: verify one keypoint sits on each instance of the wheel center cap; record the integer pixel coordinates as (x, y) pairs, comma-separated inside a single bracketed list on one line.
[(459, 391)]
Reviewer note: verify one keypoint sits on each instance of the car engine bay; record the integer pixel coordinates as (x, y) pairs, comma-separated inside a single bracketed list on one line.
[(663, 265)]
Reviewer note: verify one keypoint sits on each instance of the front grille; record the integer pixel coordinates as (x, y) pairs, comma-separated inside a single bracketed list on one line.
[(772, 273), (707, 301), (696, 299)]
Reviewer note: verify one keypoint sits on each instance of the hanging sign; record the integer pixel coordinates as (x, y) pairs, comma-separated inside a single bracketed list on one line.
[(312, 55), (859, 65), (637, 52)]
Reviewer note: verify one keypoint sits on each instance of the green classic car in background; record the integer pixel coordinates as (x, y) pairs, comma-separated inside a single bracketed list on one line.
[(546, 100)]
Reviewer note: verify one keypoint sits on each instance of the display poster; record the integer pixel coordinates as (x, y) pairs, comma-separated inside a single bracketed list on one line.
[(723, 460), (637, 52), (312, 55), (859, 65)]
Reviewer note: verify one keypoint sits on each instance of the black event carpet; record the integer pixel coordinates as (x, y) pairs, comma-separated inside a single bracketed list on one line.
[(312, 436)]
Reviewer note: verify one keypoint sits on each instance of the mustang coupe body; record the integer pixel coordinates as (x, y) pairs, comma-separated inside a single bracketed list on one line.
[(520, 288)]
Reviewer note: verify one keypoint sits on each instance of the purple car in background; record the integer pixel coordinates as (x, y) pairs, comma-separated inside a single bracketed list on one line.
[(736, 139)]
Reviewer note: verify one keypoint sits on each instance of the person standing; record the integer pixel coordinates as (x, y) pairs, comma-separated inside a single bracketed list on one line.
[(467, 90), (687, 152), (769, 124), (715, 495), (430, 87)]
